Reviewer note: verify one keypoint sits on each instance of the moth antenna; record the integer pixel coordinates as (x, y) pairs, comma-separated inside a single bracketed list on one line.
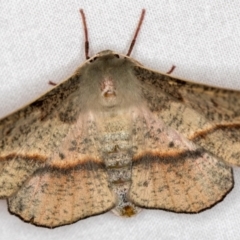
[(171, 70), (85, 33), (136, 33)]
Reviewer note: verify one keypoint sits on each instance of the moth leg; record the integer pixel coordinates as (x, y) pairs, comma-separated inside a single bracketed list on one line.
[(171, 69)]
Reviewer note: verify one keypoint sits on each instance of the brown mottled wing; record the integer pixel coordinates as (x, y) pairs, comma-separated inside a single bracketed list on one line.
[(171, 169), (50, 170), (208, 116)]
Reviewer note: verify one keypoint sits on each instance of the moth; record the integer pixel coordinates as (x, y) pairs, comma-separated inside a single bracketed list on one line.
[(118, 136)]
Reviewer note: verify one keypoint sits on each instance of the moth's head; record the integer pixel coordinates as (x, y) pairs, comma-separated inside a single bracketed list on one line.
[(105, 52), (107, 55)]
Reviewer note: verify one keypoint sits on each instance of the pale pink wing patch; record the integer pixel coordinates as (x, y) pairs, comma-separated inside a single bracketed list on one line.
[(55, 196)]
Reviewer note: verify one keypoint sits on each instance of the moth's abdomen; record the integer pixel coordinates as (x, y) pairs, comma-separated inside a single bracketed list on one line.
[(119, 166), (116, 145)]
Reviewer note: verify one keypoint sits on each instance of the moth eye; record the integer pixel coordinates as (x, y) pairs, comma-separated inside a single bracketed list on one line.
[(92, 60), (116, 55)]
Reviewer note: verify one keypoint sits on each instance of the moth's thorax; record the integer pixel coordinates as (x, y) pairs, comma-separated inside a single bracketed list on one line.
[(108, 92), (107, 81), (108, 88)]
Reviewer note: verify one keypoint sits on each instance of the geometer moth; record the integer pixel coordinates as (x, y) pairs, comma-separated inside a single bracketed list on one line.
[(118, 136)]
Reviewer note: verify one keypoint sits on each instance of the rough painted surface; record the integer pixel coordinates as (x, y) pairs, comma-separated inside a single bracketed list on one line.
[(119, 136)]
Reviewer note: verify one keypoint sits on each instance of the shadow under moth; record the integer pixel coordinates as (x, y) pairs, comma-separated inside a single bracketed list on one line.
[(118, 136)]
